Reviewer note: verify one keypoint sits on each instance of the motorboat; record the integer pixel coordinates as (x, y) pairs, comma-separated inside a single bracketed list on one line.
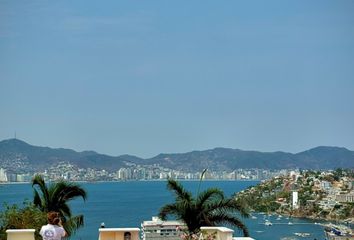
[(268, 223), (299, 234)]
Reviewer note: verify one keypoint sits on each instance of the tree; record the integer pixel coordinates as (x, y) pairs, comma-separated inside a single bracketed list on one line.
[(26, 216), (55, 197), (208, 208)]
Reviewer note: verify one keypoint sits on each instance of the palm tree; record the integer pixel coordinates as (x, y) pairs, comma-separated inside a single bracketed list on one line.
[(55, 197), (209, 208)]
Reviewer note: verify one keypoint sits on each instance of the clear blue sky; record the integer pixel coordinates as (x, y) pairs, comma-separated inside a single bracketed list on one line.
[(145, 77)]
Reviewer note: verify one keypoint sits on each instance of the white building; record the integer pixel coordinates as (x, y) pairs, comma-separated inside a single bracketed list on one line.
[(349, 197), (295, 198), (158, 230), (3, 176)]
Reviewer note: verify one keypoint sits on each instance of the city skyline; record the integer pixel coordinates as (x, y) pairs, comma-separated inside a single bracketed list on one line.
[(149, 78)]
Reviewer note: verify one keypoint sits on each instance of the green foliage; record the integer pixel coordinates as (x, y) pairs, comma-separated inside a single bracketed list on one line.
[(208, 208), (25, 217), (55, 197), (284, 194), (347, 210)]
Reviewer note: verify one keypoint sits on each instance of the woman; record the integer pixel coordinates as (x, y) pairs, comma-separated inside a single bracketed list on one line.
[(54, 229)]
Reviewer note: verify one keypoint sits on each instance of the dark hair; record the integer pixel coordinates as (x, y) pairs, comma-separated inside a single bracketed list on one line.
[(53, 218)]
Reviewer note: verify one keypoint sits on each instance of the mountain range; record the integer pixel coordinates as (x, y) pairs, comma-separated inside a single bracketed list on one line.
[(17, 154)]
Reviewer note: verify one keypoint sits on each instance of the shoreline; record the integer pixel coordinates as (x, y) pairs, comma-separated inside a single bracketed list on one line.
[(142, 180)]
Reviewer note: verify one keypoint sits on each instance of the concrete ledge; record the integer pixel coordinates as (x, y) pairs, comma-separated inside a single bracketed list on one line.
[(242, 238), (118, 233), (218, 229), (119, 230), (20, 234), (20, 230)]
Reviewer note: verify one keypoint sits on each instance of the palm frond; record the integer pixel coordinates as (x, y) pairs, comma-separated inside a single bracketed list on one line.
[(227, 205), (179, 190), (73, 191), (169, 209), (73, 224), (65, 210), (208, 208), (39, 181), (210, 194), (37, 201)]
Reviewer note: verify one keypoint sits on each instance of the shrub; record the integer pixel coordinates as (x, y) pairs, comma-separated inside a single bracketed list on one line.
[(25, 217)]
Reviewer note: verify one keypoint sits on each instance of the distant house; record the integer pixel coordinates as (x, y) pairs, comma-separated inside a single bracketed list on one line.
[(327, 204), (348, 197), (326, 186)]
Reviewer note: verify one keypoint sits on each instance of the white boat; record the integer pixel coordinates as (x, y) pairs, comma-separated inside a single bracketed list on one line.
[(253, 217), (268, 223), (302, 234), (290, 223)]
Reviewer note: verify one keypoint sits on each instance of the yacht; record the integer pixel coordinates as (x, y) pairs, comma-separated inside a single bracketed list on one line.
[(302, 234), (268, 223)]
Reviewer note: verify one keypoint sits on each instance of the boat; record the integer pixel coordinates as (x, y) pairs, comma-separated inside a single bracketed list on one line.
[(290, 223), (253, 217), (299, 234), (289, 238), (268, 223)]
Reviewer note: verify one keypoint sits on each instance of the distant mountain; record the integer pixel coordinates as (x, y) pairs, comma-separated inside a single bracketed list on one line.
[(229, 159), (17, 153), (39, 158)]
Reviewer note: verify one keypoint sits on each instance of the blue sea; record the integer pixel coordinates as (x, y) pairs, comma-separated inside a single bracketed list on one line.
[(127, 204)]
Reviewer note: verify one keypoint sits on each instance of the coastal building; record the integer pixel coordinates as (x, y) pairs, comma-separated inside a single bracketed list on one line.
[(156, 229), (327, 204), (348, 197), (3, 176), (295, 200), (326, 186), (23, 177)]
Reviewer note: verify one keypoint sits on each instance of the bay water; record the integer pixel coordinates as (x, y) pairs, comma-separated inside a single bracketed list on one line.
[(128, 204)]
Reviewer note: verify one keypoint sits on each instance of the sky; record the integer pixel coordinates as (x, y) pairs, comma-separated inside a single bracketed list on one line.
[(150, 77)]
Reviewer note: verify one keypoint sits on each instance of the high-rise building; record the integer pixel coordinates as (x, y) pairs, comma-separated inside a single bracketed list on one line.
[(3, 176), (295, 204)]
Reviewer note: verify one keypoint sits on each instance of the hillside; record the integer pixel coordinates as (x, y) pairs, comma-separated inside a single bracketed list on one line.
[(17, 154)]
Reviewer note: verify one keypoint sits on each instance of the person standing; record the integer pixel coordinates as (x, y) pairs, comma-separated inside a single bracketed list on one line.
[(54, 229)]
